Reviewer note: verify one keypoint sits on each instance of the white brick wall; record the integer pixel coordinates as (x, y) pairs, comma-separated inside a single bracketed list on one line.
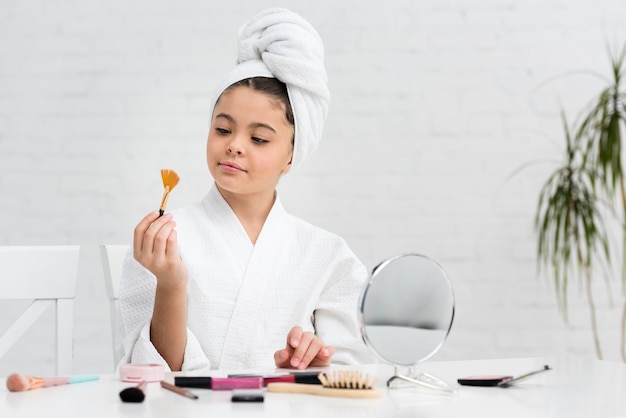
[(434, 105)]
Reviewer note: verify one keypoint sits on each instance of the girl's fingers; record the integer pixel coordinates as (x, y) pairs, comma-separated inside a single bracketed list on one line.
[(324, 357), (281, 358), (140, 230), (312, 352), (294, 337), (150, 233), (161, 239), (172, 245), (303, 347)]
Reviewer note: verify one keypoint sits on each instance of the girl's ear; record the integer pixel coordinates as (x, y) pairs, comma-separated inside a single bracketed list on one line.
[(286, 168)]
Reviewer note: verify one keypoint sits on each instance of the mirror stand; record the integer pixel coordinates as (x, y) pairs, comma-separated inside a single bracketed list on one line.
[(426, 380)]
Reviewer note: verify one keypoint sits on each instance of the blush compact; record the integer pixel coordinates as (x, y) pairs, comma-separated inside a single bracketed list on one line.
[(483, 380), (499, 380)]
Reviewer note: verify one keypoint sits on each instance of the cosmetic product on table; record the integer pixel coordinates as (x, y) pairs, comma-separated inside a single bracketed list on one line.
[(247, 395), (179, 390), (141, 372), (219, 383), (134, 394), (509, 381), (298, 377), (18, 382), (344, 383), (502, 381)]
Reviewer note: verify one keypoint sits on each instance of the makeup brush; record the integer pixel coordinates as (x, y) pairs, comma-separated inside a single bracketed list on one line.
[(340, 383), (177, 389), (510, 381), (170, 180), (134, 394), (19, 382)]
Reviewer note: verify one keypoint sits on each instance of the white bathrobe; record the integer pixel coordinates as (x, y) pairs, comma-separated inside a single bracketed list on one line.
[(242, 299)]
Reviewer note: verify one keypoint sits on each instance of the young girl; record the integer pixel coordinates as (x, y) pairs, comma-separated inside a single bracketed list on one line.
[(235, 282)]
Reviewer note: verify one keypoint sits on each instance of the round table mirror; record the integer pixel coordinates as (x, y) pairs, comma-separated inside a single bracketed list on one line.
[(406, 312)]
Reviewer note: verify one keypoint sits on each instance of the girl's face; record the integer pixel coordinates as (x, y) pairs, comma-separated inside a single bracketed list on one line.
[(249, 145)]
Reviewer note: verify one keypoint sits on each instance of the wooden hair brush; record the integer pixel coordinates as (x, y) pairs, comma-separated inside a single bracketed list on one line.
[(339, 383), (170, 180)]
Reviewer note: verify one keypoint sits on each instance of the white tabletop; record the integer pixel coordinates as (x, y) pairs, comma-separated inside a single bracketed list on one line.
[(574, 388)]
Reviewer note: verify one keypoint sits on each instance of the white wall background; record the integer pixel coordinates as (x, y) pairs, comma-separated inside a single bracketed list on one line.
[(435, 103)]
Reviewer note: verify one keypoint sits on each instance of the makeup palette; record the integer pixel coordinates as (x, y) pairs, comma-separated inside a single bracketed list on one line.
[(483, 380), (500, 381)]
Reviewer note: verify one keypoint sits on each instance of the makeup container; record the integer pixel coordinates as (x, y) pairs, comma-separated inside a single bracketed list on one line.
[(219, 383), (142, 373), (310, 378)]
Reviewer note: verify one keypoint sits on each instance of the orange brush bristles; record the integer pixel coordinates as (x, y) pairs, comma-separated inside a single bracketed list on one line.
[(18, 383), (170, 180)]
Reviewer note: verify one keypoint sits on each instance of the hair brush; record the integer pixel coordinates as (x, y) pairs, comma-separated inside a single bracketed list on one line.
[(340, 383), (170, 180)]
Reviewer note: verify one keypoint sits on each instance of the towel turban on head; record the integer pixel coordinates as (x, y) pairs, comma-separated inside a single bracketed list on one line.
[(279, 43)]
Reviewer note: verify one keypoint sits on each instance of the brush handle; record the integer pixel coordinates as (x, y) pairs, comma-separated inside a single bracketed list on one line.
[(512, 380), (81, 379), (44, 382), (321, 390), (166, 194), (56, 381)]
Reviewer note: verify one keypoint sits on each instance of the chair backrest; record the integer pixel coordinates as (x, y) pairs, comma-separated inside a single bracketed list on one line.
[(112, 257), (46, 275)]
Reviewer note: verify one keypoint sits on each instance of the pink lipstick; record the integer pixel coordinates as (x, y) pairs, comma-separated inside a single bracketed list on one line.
[(219, 383), (310, 378)]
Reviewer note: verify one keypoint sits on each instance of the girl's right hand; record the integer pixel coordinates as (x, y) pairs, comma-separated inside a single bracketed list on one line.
[(155, 247), (303, 349)]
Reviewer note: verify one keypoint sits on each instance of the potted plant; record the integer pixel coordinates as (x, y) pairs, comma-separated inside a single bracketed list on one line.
[(576, 198)]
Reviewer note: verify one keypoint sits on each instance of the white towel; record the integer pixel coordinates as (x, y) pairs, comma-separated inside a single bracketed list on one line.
[(281, 44)]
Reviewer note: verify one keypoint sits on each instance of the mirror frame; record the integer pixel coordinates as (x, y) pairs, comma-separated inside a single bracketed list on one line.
[(423, 379)]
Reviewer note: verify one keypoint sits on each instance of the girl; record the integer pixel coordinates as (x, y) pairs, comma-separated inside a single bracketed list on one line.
[(234, 281)]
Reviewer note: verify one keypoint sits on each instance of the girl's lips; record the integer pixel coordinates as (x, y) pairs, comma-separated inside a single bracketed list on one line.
[(230, 167)]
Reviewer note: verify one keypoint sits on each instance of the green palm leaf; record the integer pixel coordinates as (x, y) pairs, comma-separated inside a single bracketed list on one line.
[(568, 221)]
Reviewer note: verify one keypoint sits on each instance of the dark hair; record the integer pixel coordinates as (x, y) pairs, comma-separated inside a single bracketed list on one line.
[(273, 87)]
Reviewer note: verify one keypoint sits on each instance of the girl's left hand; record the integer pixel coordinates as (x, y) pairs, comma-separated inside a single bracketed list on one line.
[(303, 349)]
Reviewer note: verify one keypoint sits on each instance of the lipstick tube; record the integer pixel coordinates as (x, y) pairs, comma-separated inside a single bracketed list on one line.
[(219, 383), (310, 378)]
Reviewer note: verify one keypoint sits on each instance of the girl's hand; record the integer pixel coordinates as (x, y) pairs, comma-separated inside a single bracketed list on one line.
[(155, 247), (303, 349)]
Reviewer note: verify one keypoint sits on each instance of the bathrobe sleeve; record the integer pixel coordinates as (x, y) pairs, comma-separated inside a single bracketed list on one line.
[(137, 289), (335, 317)]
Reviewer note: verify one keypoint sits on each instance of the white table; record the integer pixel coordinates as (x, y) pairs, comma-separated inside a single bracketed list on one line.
[(574, 388)]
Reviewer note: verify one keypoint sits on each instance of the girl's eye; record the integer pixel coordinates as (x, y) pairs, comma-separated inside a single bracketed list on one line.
[(222, 131), (259, 140)]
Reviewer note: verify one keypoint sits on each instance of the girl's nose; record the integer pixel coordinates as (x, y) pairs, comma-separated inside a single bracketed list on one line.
[(234, 147)]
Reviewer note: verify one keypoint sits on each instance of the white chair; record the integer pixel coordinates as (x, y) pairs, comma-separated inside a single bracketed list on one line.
[(46, 275), (112, 257)]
